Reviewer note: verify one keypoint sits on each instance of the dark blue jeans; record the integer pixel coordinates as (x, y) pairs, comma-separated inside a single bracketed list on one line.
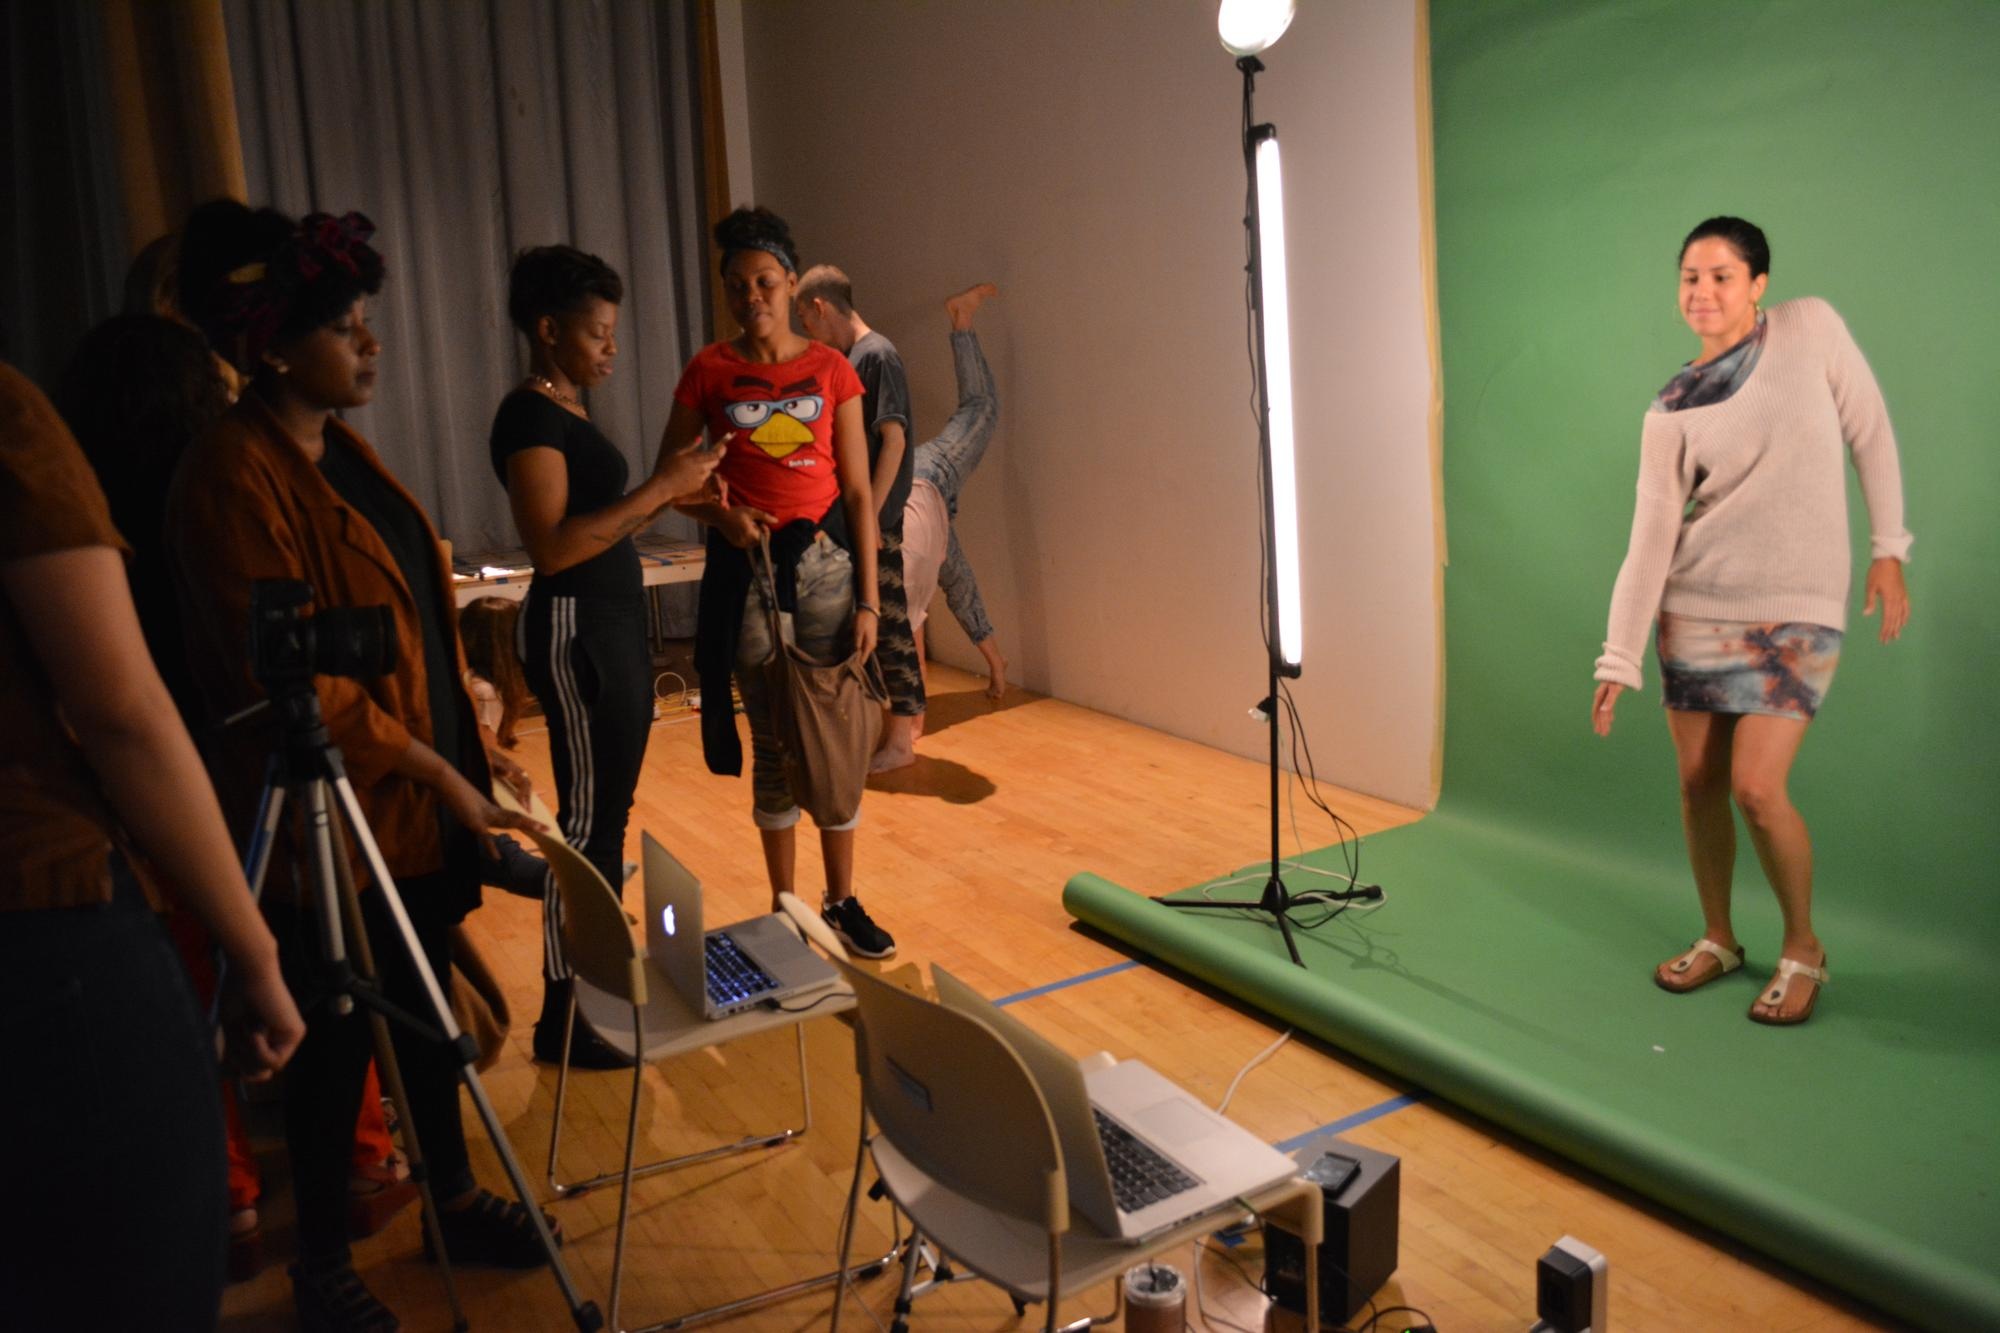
[(114, 1179)]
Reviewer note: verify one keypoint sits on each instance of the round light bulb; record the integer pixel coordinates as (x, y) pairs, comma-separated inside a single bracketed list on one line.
[(1248, 27)]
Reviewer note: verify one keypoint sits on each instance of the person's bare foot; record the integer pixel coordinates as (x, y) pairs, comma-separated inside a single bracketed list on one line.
[(962, 306), (1699, 968), (996, 668), (898, 748), (1798, 997), (888, 759)]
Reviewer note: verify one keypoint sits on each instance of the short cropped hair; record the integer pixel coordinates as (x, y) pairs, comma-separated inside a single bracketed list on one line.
[(824, 282), (557, 280)]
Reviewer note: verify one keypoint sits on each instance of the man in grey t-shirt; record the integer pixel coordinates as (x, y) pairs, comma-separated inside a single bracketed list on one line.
[(825, 306)]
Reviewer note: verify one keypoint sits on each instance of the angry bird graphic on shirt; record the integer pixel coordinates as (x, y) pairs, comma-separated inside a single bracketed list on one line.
[(779, 417)]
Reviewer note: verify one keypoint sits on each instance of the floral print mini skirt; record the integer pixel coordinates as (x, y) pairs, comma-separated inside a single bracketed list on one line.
[(1735, 666)]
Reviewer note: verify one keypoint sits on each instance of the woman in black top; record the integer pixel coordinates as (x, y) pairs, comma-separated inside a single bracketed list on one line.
[(584, 626)]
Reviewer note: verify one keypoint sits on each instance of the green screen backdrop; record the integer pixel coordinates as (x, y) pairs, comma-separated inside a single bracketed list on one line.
[(1576, 142)]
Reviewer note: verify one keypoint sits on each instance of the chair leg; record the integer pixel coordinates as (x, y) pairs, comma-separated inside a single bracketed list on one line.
[(906, 1293), (749, 1143), (805, 1081), (562, 1090), (631, 1147), (1055, 1277), (850, 1217)]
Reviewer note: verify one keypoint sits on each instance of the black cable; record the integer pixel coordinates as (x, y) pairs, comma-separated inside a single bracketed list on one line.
[(1308, 778), (1395, 1309), (1250, 1279), (803, 1008)]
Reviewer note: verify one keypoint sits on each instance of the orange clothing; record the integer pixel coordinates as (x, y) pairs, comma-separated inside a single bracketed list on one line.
[(55, 829), (247, 504)]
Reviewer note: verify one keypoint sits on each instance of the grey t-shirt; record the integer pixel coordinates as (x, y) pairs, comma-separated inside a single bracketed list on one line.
[(886, 397)]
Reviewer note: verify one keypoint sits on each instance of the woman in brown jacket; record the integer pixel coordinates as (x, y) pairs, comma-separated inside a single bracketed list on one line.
[(110, 1114), (282, 489)]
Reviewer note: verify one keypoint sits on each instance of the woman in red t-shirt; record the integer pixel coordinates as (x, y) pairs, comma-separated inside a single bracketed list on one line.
[(786, 411)]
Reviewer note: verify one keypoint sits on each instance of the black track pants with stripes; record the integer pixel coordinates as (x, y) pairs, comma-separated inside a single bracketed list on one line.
[(587, 662)]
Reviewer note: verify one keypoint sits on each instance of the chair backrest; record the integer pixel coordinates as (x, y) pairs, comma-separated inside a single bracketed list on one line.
[(954, 1099), (597, 941)]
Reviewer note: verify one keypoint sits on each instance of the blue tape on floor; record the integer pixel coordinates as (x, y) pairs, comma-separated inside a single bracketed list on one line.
[(1067, 982), (1375, 1112)]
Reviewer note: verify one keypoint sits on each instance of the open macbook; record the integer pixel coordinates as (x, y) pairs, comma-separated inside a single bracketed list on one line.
[(1141, 1153), (723, 971)]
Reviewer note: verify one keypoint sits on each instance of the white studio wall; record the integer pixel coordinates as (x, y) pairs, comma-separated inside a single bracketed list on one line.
[(1087, 159)]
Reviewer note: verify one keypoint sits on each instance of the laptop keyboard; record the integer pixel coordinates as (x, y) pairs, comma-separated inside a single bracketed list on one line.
[(732, 977), (1139, 1176)]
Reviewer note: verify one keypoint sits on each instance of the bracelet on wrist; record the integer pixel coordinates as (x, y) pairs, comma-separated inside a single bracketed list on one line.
[(873, 610)]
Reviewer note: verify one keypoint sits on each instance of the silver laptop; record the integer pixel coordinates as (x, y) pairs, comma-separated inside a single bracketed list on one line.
[(1142, 1154), (724, 971)]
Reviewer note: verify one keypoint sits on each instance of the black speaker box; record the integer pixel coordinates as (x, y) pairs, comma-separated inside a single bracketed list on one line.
[(1362, 1216)]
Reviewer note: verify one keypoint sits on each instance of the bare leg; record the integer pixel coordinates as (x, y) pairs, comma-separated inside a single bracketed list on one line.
[(996, 666), (1702, 747), (781, 859), (837, 847), (962, 307), (1760, 769)]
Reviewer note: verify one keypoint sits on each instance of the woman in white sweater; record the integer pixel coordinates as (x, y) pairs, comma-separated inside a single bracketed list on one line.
[(1740, 551)]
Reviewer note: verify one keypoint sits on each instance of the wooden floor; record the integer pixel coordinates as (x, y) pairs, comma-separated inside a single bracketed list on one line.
[(964, 859)]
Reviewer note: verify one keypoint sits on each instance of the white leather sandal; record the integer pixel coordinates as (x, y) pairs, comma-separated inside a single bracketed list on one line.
[(1781, 986), (1679, 968)]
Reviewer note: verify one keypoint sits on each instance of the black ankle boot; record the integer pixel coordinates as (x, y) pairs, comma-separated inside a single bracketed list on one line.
[(333, 1300), (587, 1050)]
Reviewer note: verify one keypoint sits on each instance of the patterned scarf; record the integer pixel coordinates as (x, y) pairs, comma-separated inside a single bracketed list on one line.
[(1714, 381)]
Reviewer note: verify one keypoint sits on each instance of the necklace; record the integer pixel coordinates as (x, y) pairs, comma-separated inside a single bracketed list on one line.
[(548, 386)]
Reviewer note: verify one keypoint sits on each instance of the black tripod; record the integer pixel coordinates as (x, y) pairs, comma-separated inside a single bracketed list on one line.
[(1276, 899), (307, 769)]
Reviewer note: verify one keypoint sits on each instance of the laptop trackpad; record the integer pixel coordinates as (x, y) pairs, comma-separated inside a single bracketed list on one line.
[(1172, 1123)]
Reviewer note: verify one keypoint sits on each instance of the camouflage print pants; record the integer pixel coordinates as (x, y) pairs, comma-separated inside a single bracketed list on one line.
[(896, 646)]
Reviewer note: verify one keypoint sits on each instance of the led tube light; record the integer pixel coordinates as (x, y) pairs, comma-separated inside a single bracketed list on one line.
[(1277, 321)]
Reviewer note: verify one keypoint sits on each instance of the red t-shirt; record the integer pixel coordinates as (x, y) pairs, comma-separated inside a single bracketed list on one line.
[(781, 459)]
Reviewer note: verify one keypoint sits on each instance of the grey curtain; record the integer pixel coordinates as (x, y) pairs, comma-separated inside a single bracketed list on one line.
[(467, 131), (62, 229)]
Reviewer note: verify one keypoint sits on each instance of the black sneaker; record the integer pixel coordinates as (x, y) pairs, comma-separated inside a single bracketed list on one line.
[(515, 869), (333, 1300), (857, 930), (587, 1050), (492, 1230)]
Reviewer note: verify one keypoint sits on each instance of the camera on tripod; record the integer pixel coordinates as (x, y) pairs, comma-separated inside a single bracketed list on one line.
[(288, 647)]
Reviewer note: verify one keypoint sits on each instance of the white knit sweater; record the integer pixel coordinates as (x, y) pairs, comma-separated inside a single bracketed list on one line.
[(1742, 505)]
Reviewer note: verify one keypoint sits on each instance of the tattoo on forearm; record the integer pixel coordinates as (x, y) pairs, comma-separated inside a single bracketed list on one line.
[(622, 531)]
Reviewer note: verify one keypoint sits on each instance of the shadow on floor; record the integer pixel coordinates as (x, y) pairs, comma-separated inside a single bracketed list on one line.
[(943, 711), (949, 781)]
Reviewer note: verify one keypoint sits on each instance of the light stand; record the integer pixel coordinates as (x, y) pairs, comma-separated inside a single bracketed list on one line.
[(1272, 366)]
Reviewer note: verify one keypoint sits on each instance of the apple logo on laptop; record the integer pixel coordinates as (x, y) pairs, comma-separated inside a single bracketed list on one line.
[(667, 918)]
